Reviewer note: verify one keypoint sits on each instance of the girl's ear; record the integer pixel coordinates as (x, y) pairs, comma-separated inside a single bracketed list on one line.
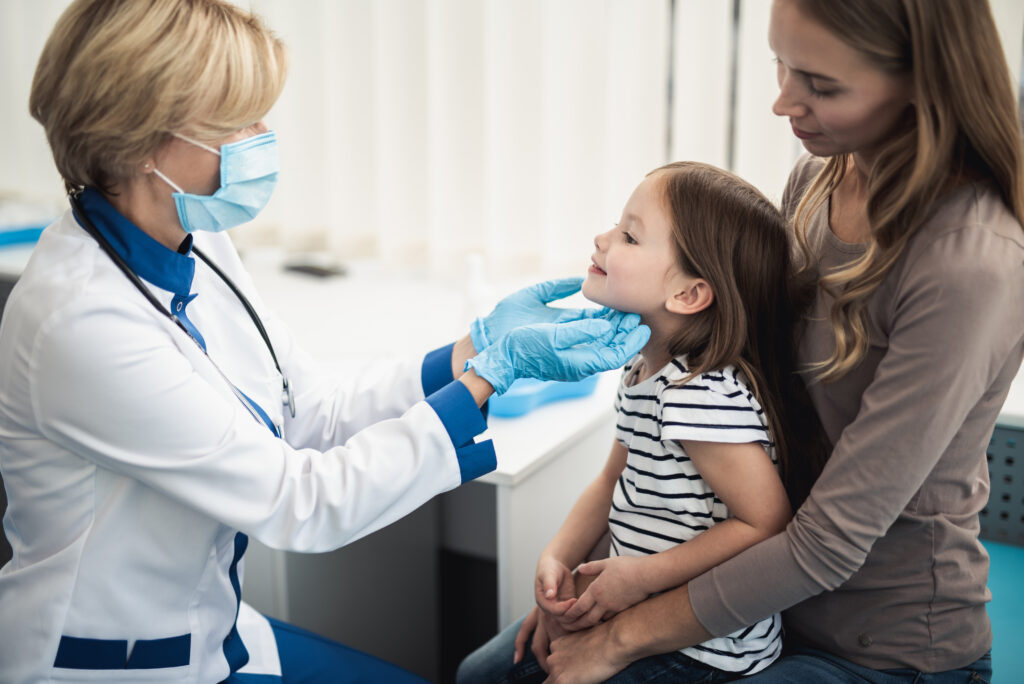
[(695, 296)]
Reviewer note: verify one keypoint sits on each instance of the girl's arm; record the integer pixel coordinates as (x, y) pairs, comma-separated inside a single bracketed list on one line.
[(584, 526), (747, 482), (554, 588)]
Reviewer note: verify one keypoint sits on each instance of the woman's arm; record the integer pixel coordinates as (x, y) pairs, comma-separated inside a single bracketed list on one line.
[(744, 478), (954, 329)]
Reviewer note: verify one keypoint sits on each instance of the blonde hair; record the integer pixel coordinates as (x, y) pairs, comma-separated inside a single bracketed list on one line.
[(117, 77), (732, 236), (964, 123)]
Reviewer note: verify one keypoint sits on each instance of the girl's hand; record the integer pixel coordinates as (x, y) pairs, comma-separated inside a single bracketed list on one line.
[(617, 586), (554, 588)]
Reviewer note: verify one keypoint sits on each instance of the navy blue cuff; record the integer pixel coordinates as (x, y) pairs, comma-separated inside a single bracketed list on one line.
[(436, 371), (476, 459), (455, 406)]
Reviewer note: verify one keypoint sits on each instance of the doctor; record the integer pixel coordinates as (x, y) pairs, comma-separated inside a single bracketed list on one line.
[(153, 415)]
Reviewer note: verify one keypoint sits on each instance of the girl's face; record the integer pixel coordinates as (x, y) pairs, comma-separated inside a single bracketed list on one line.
[(836, 101), (634, 267)]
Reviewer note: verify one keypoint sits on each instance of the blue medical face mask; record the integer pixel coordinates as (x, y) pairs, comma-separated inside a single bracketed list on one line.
[(248, 174)]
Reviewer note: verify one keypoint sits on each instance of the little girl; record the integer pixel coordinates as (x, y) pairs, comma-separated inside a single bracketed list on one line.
[(712, 420)]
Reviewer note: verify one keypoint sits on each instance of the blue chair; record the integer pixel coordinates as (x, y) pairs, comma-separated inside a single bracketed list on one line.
[(1002, 533)]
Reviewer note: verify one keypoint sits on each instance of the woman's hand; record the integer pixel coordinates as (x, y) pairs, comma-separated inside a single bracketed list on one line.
[(544, 629), (617, 585), (583, 657), (526, 307), (561, 351)]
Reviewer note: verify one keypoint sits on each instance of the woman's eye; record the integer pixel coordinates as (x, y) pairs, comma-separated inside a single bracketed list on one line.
[(820, 92)]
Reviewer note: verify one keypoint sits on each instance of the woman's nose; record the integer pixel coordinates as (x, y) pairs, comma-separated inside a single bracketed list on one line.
[(787, 103)]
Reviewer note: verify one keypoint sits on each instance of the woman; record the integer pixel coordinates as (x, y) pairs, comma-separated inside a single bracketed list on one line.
[(150, 421), (910, 211)]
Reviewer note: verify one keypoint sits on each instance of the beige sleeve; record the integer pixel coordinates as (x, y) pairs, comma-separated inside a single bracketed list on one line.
[(956, 325)]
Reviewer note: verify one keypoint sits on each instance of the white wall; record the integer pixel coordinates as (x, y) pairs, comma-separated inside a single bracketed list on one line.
[(425, 131)]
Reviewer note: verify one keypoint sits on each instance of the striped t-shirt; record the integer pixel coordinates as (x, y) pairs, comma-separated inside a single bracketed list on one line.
[(661, 500)]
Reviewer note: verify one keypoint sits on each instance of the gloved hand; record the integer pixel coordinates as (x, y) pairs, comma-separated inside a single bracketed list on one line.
[(526, 307), (561, 351)]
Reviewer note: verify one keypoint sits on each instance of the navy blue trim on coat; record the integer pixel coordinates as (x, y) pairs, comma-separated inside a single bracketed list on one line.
[(164, 267), (235, 651), (77, 653), (455, 406), (436, 371)]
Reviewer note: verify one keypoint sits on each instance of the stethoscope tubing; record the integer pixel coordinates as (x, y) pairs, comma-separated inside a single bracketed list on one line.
[(287, 396)]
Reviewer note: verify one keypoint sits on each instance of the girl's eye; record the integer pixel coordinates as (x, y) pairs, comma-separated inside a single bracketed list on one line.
[(630, 240)]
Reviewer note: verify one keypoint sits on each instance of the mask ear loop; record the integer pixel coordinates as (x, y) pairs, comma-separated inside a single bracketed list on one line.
[(165, 179), (196, 143)]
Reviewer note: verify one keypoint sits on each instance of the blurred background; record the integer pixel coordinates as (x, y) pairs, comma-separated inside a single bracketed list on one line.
[(417, 132)]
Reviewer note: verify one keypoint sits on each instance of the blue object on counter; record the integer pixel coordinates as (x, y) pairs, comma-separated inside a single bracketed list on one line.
[(526, 394), (20, 235)]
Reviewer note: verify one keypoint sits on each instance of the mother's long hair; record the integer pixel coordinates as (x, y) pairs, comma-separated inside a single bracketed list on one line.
[(963, 124)]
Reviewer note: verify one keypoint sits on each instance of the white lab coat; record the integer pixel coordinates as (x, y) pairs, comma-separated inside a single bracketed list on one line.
[(130, 465)]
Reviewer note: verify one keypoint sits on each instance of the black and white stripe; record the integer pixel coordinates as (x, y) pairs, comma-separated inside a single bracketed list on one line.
[(662, 501)]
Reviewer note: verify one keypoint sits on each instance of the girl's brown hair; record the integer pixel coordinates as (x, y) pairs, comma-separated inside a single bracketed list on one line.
[(732, 236), (963, 125)]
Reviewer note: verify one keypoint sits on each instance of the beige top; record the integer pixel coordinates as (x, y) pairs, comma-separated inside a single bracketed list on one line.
[(882, 563)]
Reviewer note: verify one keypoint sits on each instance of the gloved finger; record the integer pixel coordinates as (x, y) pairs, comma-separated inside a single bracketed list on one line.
[(634, 342), (596, 313), (566, 315), (551, 290), (622, 320), (583, 331), (598, 356)]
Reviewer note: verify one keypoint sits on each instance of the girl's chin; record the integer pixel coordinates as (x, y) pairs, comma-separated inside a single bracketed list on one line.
[(590, 296)]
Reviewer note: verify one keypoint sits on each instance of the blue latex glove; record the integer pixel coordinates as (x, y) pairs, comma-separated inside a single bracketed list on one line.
[(566, 351), (527, 307)]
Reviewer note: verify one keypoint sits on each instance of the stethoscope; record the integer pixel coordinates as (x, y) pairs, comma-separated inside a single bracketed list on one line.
[(287, 396)]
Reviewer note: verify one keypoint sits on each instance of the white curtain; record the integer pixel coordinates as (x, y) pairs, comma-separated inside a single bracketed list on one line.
[(422, 132), (418, 132)]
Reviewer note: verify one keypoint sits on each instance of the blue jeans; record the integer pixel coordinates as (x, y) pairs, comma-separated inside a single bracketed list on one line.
[(801, 664), (492, 664)]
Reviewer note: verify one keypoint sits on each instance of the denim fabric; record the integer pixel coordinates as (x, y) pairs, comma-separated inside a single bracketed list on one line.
[(800, 664), (492, 664)]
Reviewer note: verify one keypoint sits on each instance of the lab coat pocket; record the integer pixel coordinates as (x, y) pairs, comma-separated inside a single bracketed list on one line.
[(86, 659)]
